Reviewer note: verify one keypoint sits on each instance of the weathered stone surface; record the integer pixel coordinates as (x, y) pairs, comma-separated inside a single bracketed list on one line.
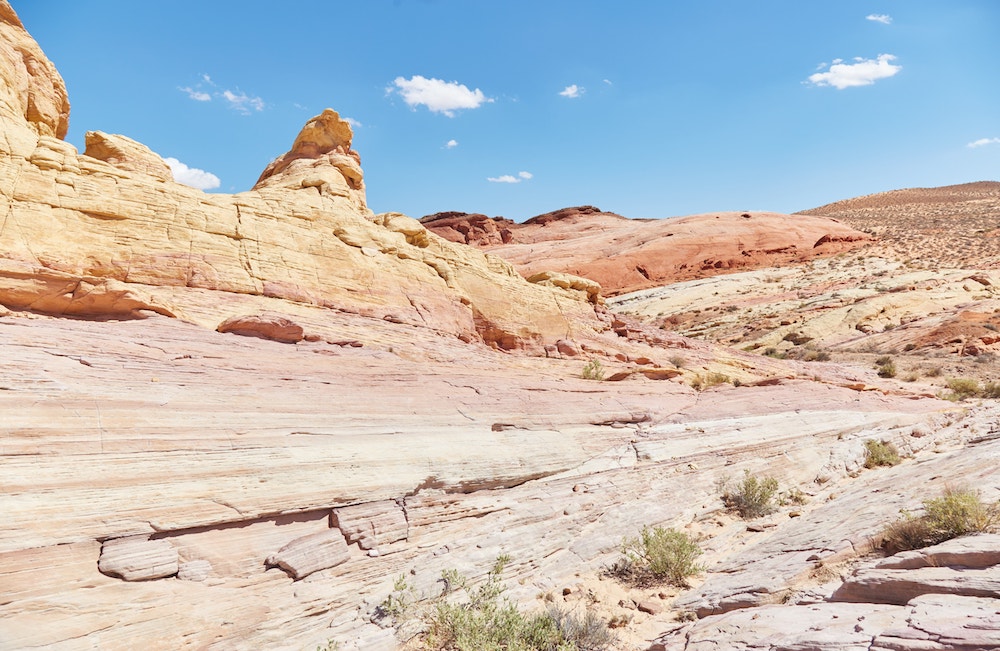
[(624, 255), (34, 93), (371, 524), (940, 622), (318, 551), (900, 586), (137, 558), (266, 326), (977, 551), (818, 627), (126, 154), (198, 570)]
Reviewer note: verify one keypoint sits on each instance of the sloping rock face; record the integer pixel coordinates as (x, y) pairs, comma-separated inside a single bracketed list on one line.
[(625, 255), (108, 233), (169, 485)]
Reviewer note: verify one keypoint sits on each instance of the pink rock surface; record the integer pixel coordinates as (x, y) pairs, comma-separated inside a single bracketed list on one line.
[(625, 255)]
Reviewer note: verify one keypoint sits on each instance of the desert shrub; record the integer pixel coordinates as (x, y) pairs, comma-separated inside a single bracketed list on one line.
[(587, 632), (817, 356), (880, 453), (908, 532), (594, 370), (481, 618), (660, 554), (886, 367), (793, 496), (701, 382), (958, 512), (991, 390), (961, 388), (751, 497), (678, 361)]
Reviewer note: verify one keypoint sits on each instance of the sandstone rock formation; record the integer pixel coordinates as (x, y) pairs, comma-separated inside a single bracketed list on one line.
[(169, 485), (624, 255), (108, 233)]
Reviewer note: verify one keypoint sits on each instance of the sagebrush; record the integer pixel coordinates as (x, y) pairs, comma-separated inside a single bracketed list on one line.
[(480, 618), (958, 512), (751, 497), (659, 554)]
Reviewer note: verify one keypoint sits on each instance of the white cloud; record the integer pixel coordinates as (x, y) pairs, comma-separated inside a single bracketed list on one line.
[(572, 91), (192, 176), (863, 72), (196, 95), (608, 82), (437, 95), (451, 144), (243, 102), (885, 19), (982, 142), (510, 178), (355, 124)]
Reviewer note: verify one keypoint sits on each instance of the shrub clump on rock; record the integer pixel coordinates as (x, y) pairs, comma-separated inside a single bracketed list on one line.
[(958, 512), (751, 497), (657, 555), (880, 453)]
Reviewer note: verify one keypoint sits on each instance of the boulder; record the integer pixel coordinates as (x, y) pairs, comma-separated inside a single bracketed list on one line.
[(312, 553), (137, 558), (266, 326)]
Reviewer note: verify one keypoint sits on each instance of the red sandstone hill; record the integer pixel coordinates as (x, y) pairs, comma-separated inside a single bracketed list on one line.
[(625, 254)]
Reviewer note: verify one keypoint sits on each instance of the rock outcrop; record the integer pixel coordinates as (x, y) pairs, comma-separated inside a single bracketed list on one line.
[(169, 485), (107, 233), (625, 255)]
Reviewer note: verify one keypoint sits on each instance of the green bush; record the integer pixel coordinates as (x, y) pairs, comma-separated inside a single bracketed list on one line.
[(587, 632), (991, 390), (594, 370), (661, 555), (751, 497), (880, 453), (958, 512), (481, 618), (961, 388), (886, 368)]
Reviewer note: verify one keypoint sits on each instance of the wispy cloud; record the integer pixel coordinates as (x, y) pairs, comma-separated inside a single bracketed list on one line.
[(863, 72), (242, 102), (608, 82), (982, 142), (192, 176), (885, 19), (451, 144), (237, 100), (195, 94), (355, 124), (572, 91), (437, 95), (509, 178)]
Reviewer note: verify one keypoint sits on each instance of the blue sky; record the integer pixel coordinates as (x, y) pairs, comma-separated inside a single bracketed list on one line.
[(515, 108)]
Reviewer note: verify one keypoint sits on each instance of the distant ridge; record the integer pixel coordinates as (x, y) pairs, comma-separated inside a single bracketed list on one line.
[(953, 225)]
